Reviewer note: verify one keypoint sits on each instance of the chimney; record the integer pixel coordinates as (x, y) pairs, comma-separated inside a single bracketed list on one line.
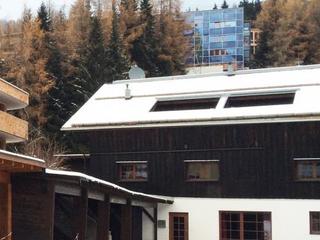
[(127, 95), (230, 70)]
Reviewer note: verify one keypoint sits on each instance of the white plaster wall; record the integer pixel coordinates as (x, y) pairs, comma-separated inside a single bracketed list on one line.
[(290, 218), (147, 226)]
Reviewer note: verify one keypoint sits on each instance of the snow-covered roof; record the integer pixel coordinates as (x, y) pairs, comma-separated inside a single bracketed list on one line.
[(14, 162), (115, 106), (88, 178)]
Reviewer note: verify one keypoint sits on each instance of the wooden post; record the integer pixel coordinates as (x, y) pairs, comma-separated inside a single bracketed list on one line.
[(155, 223), (126, 221), (103, 219), (80, 209)]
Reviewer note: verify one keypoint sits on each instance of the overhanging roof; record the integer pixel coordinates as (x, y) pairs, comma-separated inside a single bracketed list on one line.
[(13, 162), (109, 185), (109, 109)]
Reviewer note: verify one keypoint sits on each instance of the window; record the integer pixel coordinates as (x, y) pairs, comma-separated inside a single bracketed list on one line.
[(245, 225), (133, 171), (205, 170), (314, 222), (307, 169), (260, 100), (185, 104), (178, 226)]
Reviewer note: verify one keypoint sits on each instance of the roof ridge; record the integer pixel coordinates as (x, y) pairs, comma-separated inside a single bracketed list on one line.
[(215, 74)]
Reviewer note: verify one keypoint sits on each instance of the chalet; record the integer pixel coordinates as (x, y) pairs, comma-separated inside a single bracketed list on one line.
[(44, 204), (12, 130), (239, 153)]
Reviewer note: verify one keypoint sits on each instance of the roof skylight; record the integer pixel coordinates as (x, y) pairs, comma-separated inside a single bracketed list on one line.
[(260, 100), (185, 104)]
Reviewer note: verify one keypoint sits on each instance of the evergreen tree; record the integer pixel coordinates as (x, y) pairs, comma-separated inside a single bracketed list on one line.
[(146, 49), (94, 64), (224, 4), (53, 67), (118, 64), (44, 17), (58, 66), (215, 7), (251, 9)]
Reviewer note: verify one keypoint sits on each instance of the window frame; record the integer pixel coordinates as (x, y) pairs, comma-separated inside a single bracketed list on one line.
[(241, 221), (134, 164), (313, 232), (314, 162), (185, 215), (186, 162)]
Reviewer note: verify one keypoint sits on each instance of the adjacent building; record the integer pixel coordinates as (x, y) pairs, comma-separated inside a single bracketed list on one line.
[(218, 37), (12, 130), (238, 153)]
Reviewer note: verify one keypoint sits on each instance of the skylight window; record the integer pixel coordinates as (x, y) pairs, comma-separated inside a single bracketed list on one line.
[(185, 104), (260, 100)]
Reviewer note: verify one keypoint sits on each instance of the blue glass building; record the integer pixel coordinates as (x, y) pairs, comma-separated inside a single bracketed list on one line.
[(217, 37)]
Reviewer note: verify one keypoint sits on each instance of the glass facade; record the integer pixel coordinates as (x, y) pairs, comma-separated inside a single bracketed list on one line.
[(217, 37)]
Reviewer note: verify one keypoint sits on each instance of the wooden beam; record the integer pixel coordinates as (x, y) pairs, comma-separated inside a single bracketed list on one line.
[(155, 223), (4, 177), (80, 210), (145, 211), (5, 211), (103, 219), (126, 221)]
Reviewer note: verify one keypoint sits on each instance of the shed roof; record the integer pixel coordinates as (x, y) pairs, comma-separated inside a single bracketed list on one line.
[(13, 162), (87, 178), (109, 108)]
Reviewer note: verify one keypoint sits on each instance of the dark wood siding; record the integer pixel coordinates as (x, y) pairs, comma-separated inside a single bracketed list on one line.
[(255, 160), (33, 203)]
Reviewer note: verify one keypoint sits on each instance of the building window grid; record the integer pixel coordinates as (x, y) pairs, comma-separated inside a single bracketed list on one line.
[(245, 225), (202, 58)]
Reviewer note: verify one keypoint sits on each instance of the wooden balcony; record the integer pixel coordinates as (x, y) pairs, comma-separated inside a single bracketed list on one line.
[(12, 97), (12, 129)]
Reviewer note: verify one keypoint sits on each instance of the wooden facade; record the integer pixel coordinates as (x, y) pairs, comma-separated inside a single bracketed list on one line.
[(255, 160)]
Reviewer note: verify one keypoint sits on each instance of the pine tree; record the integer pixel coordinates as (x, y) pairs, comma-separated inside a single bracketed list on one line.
[(45, 19), (215, 7), (224, 4), (146, 48), (251, 9), (58, 99), (118, 64), (95, 58)]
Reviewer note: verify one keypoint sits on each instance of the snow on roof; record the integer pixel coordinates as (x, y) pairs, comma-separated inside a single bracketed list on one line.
[(111, 107), (27, 159), (108, 184)]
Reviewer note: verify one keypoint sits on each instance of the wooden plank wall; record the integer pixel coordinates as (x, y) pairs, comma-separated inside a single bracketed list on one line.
[(33, 209), (255, 160)]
